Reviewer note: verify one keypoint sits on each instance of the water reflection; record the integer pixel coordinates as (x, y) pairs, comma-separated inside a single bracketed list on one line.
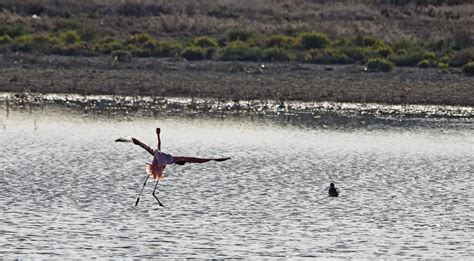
[(69, 190)]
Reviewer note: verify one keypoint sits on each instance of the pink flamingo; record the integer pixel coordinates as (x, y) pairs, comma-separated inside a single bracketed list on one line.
[(160, 160)]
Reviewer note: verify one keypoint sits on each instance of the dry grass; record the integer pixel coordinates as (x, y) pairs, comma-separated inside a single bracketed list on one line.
[(387, 19)]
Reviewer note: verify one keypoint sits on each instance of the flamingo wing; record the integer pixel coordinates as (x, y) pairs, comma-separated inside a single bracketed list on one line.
[(183, 160), (136, 142)]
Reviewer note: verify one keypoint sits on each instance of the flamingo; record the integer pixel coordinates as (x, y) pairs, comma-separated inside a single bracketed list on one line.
[(160, 160)]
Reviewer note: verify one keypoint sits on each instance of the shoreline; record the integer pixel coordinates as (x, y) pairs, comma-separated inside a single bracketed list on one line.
[(148, 104), (282, 82)]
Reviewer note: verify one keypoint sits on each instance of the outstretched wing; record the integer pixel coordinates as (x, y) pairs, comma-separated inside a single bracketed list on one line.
[(221, 159), (180, 160), (136, 142)]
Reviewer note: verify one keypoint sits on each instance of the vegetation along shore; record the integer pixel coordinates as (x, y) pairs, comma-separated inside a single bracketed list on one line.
[(357, 51)]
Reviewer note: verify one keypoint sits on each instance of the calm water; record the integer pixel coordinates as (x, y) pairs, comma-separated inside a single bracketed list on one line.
[(68, 190)]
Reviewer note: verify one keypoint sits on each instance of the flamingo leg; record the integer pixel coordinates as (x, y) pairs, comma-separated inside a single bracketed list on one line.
[(138, 199), (155, 195)]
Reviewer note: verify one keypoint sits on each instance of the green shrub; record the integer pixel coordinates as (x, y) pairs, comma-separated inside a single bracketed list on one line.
[(311, 55), (379, 65), (462, 39), (311, 40), (69, 37), (143, 45), (384, 51), (205, 42), (140, 39), (445, 59), (13, 30), (139, 51), (460, 58), (45, 39), (107, 46), (344, 41), (277, 54), (238, 35), (442, 66), (88, 34), (336, 56), (40, 42), (69, 49), (423, 63), (23, 43), (210, 52), (25, 39), (238, 51), (468, 68), (5, 39), (353, 53), (166, 48), (327, 56), (45, 42), (429, 55), (279, 40), (442, 45), (377, 52), (194, 53), (368, 41), (406, 58), (406, 45), (257, 40)]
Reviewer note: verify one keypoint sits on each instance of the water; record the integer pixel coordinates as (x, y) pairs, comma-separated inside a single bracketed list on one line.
[(69, 191)]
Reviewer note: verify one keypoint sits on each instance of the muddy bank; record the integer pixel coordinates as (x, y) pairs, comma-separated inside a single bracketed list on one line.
[(151, 105), (232, 80)]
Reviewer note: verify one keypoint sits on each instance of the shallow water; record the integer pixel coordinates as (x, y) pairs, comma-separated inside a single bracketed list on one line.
[(68, 190)]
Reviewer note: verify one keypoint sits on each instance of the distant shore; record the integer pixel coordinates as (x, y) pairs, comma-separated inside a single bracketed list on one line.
[(233, 80)]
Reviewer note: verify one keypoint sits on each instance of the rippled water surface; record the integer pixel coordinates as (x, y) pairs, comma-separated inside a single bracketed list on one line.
[(68, 190)]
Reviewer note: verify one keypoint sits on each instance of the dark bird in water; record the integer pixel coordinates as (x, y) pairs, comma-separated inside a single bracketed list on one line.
[(333, 191), (160, 160)]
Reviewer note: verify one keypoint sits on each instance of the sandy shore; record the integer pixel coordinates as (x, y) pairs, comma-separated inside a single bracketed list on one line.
[(233, 80)]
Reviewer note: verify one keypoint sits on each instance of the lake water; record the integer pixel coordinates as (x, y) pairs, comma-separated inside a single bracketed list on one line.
[(68, 190)]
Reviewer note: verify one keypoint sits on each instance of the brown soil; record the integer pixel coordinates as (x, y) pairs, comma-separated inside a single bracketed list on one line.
[(232, 80)]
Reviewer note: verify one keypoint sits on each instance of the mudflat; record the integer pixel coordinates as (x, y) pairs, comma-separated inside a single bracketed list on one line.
[(233, 80)]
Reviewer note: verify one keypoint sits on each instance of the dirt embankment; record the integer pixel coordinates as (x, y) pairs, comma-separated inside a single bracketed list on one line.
[(232, 80)]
